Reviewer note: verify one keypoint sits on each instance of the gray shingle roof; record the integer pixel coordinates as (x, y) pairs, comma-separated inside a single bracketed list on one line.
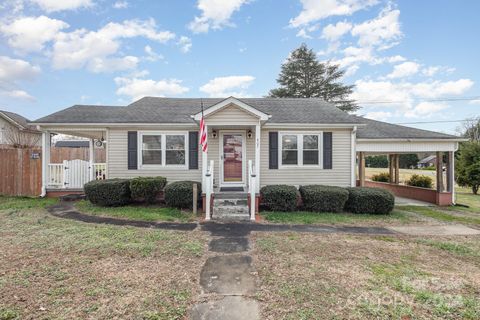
[(179, 110), (281, 110), (383, 130), (18, 120), (72, 144)]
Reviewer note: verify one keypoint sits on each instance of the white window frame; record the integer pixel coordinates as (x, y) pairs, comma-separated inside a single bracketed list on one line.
[(163, 140), (300, 150)]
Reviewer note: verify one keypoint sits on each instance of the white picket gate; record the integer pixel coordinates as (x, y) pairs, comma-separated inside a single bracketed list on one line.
[(73, 174)]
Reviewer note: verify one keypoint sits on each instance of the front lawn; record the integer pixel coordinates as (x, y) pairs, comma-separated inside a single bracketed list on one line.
[(53, 268), (22, 203), (335, 276), (306, 217), (137, 212)]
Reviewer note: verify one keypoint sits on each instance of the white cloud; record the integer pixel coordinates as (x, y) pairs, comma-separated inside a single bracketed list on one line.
[(314, 10), (476, 101), (382, 32), (379, 115), (402, 96), (31, 33), (404, 69), (305, 31), (120, 5), (227, 86), (185, 44), (99, 65), (152, 55), (60, 5), (426, 109), (13, 71), (333, 32), (81, 48), (137, 88), (395, 59), (215, 14)]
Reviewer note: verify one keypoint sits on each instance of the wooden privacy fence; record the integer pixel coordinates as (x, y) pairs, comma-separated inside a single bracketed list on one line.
[(58, 155), (20, 172)]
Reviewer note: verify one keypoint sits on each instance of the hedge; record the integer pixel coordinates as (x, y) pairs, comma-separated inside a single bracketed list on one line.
[(369, 200), (320, 198), (417, 180), (381, 177), (112, 192), (180, 194), (279, 197), (147, 188)]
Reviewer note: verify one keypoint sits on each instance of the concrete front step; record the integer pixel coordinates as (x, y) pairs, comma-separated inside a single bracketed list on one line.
[(231, 206)]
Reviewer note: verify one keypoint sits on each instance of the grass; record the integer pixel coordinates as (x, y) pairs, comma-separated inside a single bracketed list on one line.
[(405, 174), (306, 217), (441, 214), (54, 268), (312, 276), (23, 203), (137, 212)]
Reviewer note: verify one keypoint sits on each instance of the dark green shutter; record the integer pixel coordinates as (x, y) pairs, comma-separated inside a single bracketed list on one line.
[(273, 150), (327, 150), (193, 150), (132, 150)]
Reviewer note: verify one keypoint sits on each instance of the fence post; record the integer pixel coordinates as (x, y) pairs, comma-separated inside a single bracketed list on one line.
[(195, 198)]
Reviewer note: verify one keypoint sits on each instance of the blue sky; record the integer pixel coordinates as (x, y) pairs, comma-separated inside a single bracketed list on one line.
[(411, 61)]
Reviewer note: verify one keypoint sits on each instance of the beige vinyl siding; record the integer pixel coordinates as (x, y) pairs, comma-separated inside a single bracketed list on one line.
[(214, 152), (231, 115), (118, 163), (340, 175)]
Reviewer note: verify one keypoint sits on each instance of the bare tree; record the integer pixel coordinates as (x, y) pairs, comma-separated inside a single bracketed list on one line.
[(21, 138), (470, 129)]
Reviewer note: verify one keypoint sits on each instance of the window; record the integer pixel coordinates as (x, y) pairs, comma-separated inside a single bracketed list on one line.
[(152, 149), (175, 149), (163, 149), (289, 149), (301, 149)]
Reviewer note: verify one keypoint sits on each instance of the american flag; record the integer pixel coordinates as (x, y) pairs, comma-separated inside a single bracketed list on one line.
[(203, 133)]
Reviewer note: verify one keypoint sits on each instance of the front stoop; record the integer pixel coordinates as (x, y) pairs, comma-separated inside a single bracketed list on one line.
[(231, 206)]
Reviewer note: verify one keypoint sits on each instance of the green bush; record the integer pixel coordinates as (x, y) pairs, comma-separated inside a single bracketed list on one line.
[(381, 177), (369, 200), (112, 192), (147, 188), (279, 197), (417, 180), (323, 198), (180, 194)]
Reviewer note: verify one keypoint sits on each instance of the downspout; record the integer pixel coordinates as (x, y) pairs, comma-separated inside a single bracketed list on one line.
[(354, 156), (45, 160)]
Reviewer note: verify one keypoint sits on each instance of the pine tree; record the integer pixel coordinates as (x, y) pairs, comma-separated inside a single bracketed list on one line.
[(303, 76)]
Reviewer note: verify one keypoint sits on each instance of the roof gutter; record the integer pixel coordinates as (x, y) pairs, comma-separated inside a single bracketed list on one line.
[(412, 140)]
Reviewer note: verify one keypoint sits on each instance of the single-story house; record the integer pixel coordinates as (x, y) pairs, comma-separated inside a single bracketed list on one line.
[(252, 142), (16, 131), (427, 162)]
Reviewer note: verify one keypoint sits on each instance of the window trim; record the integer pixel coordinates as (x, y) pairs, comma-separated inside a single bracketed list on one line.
[(163, 140), (300, 149)]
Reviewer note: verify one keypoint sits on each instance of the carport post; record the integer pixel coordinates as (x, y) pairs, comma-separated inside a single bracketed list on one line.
[(397, 169), (91, 159), (361, 168), (391, 160), (450, 172), (46, 142), (439, 165)]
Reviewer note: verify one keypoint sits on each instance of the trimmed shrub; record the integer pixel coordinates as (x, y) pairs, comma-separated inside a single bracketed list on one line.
[(417, 180), (180, 194), (108, 193), (279, 197), (381, 177), (323, 198), (147, 188), (369, 200)]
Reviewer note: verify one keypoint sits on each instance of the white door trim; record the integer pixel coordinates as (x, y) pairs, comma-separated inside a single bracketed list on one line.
[(220, 160)]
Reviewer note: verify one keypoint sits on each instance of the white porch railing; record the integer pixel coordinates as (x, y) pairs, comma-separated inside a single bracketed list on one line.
[(252, 186), (209, 189), (74, 174)]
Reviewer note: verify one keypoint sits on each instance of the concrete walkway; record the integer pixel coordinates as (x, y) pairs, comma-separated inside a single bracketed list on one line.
[(228, 280), (399, 201)]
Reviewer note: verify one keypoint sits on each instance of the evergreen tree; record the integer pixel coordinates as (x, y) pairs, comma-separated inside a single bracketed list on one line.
[(468, 166), (303, 76)]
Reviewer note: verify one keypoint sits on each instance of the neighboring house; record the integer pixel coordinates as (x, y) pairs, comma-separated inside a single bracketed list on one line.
[(427, 162), (287, 141), (16, 131)]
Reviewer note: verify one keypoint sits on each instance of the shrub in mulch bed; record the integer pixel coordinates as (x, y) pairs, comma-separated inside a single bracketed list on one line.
[(147, 188), (381, 177), (319, 198), (279, 197), (108, 193), (369, 200), (180, 194), (421, 181)]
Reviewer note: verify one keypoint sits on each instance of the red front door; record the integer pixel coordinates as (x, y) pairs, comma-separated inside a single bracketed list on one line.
[(232, 158)]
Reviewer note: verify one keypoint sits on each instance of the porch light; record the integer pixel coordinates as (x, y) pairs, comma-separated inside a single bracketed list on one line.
[(214, 134), (249, 134)]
